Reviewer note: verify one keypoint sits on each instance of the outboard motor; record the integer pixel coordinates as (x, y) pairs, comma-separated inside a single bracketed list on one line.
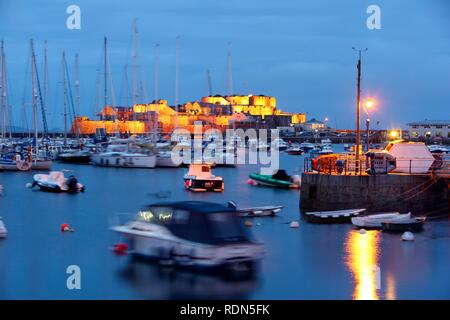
[(72, 184)]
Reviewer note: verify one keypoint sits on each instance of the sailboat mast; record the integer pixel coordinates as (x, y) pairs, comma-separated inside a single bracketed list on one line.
[(135, 63), (34, 93), (229, 71), (177, 77), (65, 99), (106, 71), (3, 92), (77, 96), (156, 75)]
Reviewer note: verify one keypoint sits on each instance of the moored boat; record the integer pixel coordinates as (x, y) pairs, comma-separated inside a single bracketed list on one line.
[(3, 230), (375, 220), (338, 216), (200, 178), (193, 234), (79, 156), (401, 225), (262, 211), (56, 182), (278, 180), (124, 160)]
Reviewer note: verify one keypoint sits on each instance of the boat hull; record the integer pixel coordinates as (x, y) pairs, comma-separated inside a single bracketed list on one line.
[(269, 182), (41, 165), (125, 161), (75, 159)]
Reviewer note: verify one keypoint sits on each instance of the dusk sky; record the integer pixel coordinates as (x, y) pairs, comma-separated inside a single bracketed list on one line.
[(298, 51)]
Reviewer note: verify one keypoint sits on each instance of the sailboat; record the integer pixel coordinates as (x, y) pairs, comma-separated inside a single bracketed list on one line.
[(40, 158), (9, 160), (77, 155)]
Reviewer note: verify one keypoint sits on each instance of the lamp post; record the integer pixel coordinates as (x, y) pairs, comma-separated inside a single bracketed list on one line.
[(358, 110), (368, 104)]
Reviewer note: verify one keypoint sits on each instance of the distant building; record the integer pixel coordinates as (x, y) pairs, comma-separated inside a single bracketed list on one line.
[(219, 112), (429, 129), (313, 125)]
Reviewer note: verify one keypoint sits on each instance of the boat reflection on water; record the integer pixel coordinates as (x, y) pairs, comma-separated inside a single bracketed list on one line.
[(362, 252), (163, 283)]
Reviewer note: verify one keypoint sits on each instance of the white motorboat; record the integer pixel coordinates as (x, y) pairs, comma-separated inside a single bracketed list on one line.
[(3, 230), (200, 178), (326, 149), (376, 220), (55, 181), (165, 159), (279, 144), (193, 234), (124, 160), (435, 148), (307, 146)]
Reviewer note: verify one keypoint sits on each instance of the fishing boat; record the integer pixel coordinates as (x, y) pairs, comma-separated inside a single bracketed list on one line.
[(337, 216), (56, 182), (124, 160), (375, 220), (263, 211), (3, 230), (77, 156), (407, 224), (278, 180), (192, 234), (200, 178)]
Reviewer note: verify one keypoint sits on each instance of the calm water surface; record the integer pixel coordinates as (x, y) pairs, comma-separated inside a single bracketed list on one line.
[(312, 262)]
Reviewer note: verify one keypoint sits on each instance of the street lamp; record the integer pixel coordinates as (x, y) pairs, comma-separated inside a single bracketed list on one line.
[(368, 104)]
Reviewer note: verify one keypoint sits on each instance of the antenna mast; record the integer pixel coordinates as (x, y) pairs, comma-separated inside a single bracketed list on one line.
[(105, 58), (209, 82)]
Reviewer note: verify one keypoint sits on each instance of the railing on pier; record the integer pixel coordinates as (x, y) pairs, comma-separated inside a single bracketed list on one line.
[(350, 166)]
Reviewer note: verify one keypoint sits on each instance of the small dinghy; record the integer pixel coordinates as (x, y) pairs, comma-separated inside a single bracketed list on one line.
[(278, 180), (200, 178), (263, 211), (3, 231), (401, 225), (56, 182), (375, 220), (337, 216)]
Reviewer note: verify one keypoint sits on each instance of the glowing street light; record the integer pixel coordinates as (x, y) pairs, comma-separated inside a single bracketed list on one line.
[(369, 104)]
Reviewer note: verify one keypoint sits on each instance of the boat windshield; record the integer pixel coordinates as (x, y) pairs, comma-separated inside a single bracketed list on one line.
[(226, 228)]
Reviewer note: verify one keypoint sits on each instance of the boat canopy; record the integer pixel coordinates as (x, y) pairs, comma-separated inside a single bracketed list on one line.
[(198, 221), (411, 157)]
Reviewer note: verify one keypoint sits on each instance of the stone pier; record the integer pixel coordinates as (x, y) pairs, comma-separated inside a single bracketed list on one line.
[(420, 194)]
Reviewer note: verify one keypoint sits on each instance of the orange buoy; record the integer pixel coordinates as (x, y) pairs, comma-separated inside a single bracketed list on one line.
[(120, 248)]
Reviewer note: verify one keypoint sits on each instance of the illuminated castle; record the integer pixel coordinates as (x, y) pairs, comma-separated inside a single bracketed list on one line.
[(221, 112)]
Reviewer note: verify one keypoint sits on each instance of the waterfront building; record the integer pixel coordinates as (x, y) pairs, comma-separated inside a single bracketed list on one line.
[(220, 112), (429, 129), (314, 125)]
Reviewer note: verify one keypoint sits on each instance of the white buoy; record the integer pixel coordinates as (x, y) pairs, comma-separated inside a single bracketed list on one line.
[(29, 185), (294, 224), (408, 236), (362, 231)]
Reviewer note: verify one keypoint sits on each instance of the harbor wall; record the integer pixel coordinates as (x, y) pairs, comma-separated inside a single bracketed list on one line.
[(378, 193)]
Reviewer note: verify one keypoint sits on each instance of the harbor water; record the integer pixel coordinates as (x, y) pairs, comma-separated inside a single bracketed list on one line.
[(333, 261)]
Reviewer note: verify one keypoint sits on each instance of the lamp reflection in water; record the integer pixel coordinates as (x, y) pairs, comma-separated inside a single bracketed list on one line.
[(362, 259)]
